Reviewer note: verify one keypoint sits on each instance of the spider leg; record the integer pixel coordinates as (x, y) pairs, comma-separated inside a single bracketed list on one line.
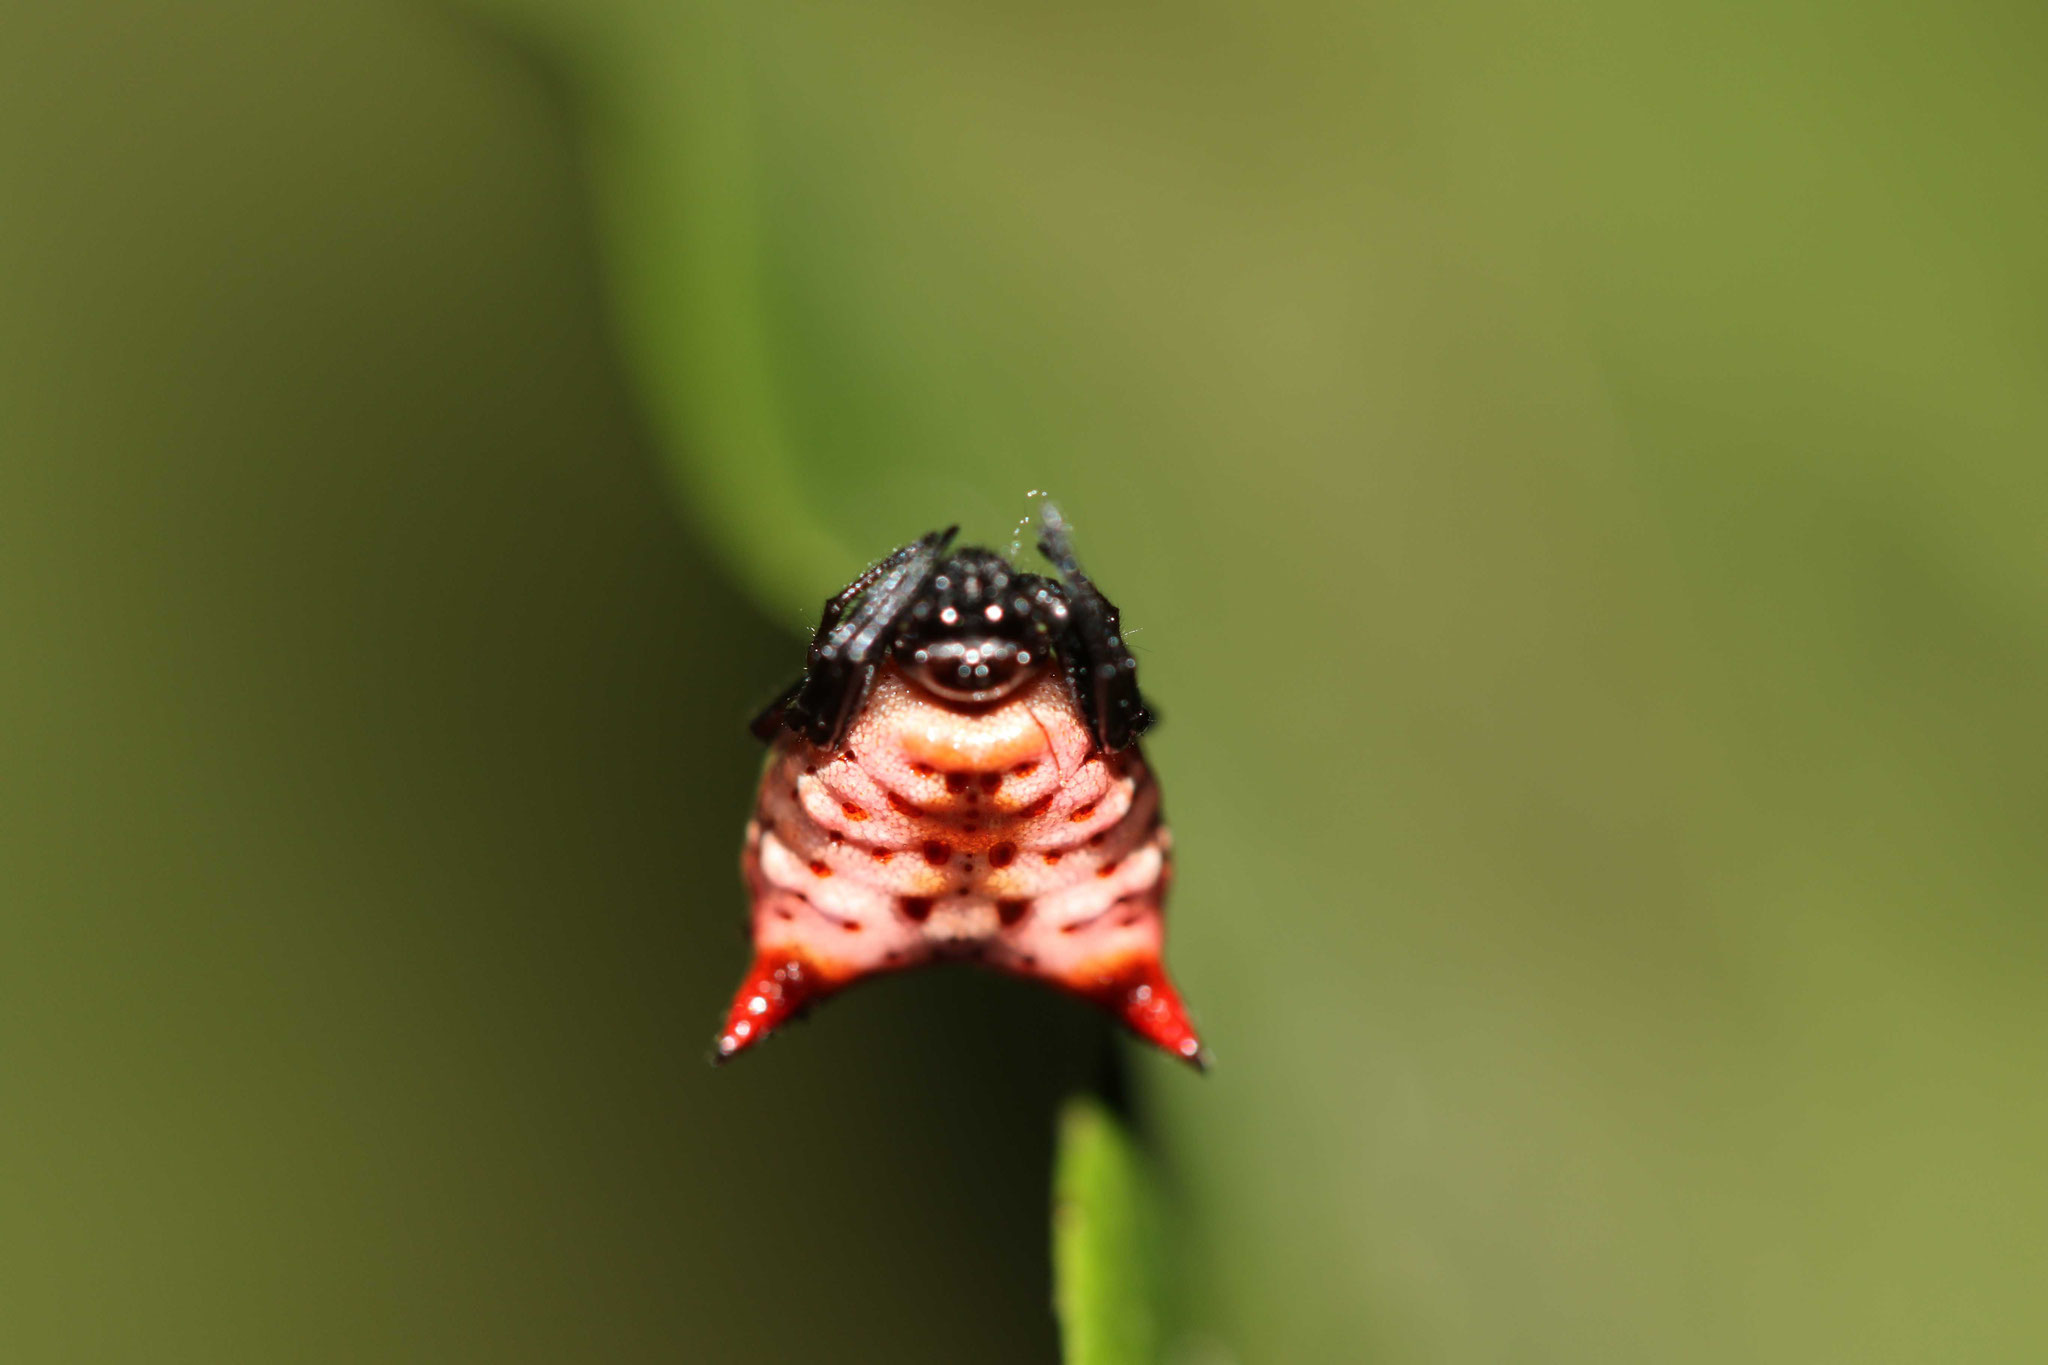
[(848, 643), (835, 605), (1088, 634), (897, 581), (769, 722)]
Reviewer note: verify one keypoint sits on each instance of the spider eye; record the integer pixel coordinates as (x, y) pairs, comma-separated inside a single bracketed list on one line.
[(976, 670)]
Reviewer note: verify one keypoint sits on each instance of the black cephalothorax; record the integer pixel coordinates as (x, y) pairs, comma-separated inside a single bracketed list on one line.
[(970, 628)]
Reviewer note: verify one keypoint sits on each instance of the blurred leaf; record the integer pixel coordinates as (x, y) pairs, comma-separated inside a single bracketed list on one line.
[(1574, 477), (1105, 1271), (372, 766)]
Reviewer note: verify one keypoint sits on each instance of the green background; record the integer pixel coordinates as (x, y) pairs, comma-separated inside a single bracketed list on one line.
[(1577, 480)]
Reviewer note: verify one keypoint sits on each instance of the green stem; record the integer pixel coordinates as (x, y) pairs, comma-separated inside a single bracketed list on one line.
[(1104, 1238)]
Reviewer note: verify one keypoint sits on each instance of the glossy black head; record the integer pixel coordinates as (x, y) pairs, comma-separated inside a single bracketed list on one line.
[(976, 632), (971, 629)]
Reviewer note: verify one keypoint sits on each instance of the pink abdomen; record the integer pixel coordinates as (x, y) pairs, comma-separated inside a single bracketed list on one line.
[(1004, 836)]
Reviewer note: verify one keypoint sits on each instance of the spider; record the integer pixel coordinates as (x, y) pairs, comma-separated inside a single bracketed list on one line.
[(957, 777)]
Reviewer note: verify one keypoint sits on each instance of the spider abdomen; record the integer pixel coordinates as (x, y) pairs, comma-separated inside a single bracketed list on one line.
[(1003, 835), (956, 775)]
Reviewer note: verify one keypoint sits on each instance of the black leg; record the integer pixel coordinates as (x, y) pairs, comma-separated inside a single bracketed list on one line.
[(852, 632), (1099, 665)]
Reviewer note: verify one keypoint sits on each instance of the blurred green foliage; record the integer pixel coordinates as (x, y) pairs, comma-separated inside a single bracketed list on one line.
[(373, 753), (1575, 476)]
